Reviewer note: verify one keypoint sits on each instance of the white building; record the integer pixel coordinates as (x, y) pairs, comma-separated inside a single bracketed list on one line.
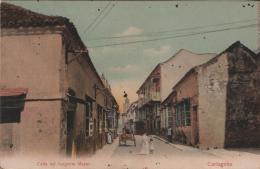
[(159, 83)]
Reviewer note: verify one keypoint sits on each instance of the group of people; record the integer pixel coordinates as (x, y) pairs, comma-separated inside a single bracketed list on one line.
[(147, 145)]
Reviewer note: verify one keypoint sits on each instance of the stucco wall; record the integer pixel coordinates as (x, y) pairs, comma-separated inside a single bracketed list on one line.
[(33, 62), (188, 88), (212, 80), (80, 77), (177, 66)]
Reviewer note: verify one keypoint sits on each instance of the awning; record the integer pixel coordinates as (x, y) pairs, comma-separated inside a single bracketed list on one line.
[(13, 91), (12, 104)]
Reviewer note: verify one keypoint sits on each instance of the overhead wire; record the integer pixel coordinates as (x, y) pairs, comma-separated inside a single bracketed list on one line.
[(97, 17), (102, 18), (176, 36), (160, 33)]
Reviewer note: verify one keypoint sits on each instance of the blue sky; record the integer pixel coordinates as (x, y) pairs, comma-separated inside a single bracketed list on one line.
[(127, 66)]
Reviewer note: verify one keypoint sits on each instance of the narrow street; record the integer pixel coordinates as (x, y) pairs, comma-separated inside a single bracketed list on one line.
[(165, 156), (79, 77), (172, 156)]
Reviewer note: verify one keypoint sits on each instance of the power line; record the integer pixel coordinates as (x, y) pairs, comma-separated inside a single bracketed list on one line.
[(177, 36), (160, 33), (104, 16), (93, 22)]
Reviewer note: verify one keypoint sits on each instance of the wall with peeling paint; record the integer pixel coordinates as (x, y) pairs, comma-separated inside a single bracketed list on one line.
[(243, 110), (227, 92), (212, 81)]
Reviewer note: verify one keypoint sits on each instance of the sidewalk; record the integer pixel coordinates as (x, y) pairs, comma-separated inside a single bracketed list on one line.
[(177, 146), (220, 153), (107, 150), (234, 153)]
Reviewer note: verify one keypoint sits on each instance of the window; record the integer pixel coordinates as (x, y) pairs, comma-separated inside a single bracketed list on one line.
[(178, 115), (9, 113), (170, 116), (103, 119), (182, 111), (12, 101), (182, 114), (109, 123), (88, 115), (186, 112), (99, 114)]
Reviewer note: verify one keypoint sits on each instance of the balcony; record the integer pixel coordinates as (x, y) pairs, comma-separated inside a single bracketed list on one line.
[(149, 92), (149, 98)]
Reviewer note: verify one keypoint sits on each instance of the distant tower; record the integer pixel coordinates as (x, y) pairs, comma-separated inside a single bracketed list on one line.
[(126, 103)]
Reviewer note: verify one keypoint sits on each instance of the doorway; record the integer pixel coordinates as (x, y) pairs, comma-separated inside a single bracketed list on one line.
[(72, 105), (196, 125), (95, 135)]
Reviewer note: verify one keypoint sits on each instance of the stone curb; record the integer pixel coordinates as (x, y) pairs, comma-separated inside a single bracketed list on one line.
[(162, 139), (182, 149)]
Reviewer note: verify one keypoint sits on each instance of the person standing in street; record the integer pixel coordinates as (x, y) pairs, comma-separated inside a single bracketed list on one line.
[(151, 146), (109, 137), (145, 145), (169, 134)]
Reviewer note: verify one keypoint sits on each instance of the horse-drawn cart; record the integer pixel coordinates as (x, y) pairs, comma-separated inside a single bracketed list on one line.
[(124, 137)]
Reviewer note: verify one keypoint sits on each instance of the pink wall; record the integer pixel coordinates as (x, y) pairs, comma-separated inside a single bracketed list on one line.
[(33, 62)]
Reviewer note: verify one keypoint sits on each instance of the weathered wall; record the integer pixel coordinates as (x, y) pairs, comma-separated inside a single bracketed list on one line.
[(188, 88), (80, 77), (212, 80), (33, 62), (9, 138), (243, 110)]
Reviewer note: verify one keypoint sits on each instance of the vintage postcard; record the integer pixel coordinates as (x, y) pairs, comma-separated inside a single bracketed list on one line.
[(129, 84)]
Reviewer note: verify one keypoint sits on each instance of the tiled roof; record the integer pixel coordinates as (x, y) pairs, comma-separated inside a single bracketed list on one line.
[(13, 16)]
